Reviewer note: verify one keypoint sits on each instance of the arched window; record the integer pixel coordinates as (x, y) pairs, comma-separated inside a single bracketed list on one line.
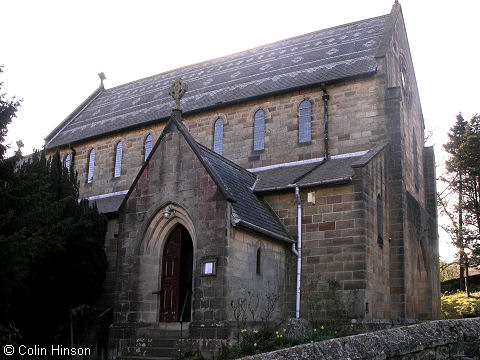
[(305, 122), (118, 159), (380, 221), (68, 160), (91, 164), (415, 160), (218, 136), (148, 146), (259, 130), (259, 261)]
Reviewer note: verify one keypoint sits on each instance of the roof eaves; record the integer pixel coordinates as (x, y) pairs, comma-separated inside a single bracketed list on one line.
[(74, 114), (273, 188), (261, 230), (341, 180)]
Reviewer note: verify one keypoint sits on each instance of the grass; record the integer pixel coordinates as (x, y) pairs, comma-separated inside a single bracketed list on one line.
[(458, 305)]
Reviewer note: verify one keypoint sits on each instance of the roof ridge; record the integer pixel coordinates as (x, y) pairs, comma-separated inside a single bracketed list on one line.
[(246, 50)]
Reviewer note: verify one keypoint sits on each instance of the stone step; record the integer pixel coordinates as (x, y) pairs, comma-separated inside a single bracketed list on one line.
[(160, 342), (154, 333), (161, 351), (164, 342)]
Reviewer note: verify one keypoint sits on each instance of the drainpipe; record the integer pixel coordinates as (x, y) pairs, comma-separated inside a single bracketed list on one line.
[(298, 252), (325, 98)]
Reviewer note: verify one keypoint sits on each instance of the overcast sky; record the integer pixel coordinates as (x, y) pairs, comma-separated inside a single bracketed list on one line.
[(53, 50)]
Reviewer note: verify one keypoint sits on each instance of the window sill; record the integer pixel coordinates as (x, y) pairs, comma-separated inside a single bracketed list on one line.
[(305, 143)]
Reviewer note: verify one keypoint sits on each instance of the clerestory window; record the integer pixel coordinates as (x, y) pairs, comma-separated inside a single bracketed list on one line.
[(118, 159), (259, 130), (218, 136), (91, 164), (305, 122), (148, 146), (68, 161)]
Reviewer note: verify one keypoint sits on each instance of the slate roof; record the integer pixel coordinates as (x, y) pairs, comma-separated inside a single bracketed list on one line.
[(248, 208), (337, 169), (109, 204), (324, 56)]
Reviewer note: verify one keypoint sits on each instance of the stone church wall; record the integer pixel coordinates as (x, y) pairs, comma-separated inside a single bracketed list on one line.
[(111, 243), (243, 279), (356, 123), (333, 242), (373, 186), (103, 177), (414, 247)]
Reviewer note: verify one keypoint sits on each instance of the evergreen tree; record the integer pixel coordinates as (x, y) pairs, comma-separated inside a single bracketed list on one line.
[(471, 163), (454, 181), (8, 109), (462, 179), (52, 254)]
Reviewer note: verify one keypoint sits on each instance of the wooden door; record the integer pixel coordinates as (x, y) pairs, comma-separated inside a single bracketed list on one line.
[(171, 276)]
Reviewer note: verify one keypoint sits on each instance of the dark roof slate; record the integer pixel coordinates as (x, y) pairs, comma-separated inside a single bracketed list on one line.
[(323, 56), (248, 208), (110, 204), (338, 169)]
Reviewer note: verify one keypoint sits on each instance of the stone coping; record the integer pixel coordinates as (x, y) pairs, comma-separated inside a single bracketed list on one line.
[(441, 339)]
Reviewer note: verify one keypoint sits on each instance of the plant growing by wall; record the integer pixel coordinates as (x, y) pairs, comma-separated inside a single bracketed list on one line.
[(271, 300), (253, 303)]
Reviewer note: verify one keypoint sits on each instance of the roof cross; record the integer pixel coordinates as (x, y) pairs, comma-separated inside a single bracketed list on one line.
[(177, 90)]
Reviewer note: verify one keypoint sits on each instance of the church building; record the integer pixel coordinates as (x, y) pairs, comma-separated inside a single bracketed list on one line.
[(271, 171)]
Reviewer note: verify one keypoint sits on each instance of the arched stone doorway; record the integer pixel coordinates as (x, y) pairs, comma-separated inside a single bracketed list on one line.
[(176, 281), (150, 250)]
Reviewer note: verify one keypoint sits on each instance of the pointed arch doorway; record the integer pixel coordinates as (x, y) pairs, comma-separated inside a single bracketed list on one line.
[(177, 271)]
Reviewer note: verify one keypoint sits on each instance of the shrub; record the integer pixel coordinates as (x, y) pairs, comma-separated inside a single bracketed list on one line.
[(458, 305)]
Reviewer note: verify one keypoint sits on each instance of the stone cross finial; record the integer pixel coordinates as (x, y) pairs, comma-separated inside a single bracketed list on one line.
[(102, 78), (177, 90)]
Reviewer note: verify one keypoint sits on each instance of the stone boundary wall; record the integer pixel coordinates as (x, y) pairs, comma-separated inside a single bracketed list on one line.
[(443, 339)]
